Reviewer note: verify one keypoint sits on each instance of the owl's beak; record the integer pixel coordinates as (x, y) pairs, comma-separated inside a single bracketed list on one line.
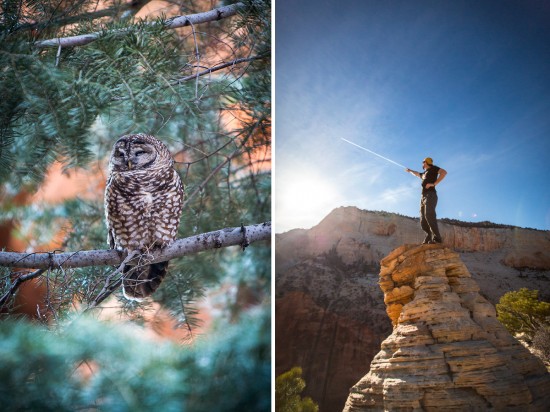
[(130, 164)]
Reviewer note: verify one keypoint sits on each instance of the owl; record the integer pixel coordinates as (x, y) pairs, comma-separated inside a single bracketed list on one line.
[(143, 203)]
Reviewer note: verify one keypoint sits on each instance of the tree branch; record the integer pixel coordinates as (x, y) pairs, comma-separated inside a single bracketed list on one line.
[(18, 282), (217, 239), (218, 67), (211, 175), (173, 23)]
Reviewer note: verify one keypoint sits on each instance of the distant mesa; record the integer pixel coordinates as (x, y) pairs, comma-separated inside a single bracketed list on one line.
[(447, 350), (521, 248)]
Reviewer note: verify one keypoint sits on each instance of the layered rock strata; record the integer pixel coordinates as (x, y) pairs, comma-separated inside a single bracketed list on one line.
[(447, 350), (361, 234)]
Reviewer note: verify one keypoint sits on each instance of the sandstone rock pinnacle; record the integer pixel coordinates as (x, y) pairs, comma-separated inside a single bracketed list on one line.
[(447, 351)]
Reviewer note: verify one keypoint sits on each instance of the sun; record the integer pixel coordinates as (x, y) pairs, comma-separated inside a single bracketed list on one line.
[(302, 201)]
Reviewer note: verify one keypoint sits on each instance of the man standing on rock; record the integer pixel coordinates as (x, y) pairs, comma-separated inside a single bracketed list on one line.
[(431, 177)]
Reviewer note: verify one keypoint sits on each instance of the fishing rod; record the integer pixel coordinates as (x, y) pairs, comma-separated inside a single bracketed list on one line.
[(374, 153)]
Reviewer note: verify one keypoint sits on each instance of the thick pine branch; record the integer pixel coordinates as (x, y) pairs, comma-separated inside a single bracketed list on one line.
[(173, 23), (241, 236)]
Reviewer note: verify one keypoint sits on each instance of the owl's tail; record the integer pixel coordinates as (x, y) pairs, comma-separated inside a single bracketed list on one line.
[(141, 281)]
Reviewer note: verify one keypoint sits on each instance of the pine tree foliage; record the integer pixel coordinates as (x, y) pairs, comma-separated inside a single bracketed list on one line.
[(204, 90), (521, 311), (288, 389), (89, 365)]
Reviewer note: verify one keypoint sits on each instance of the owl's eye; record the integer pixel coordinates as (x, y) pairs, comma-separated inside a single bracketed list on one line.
[(119, 154)]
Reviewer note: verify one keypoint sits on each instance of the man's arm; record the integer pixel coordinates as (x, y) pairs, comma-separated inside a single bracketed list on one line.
[(412, 172), (441, 175)]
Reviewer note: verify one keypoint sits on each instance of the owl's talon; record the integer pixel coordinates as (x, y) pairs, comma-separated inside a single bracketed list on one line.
[(245, 242)]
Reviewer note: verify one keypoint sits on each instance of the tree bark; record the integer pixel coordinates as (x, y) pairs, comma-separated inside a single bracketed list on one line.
[(242, 236), (173, 23)]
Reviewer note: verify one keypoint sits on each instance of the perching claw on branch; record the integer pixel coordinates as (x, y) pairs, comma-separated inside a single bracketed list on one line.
[(245, 242)]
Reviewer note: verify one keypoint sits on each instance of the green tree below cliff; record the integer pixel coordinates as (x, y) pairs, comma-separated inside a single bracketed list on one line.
[(522, 312), (288, 389)]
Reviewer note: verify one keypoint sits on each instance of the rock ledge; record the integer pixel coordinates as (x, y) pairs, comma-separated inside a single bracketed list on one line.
[(447, 350)]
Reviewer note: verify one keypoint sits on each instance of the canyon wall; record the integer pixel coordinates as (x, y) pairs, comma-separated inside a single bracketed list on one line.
[(330, 312), (359, 234)]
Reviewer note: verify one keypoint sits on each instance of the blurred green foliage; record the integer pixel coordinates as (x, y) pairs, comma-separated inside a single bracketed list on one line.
[(90, 365)]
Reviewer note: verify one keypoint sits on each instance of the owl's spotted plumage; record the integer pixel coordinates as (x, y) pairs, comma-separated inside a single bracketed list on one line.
[(143, 202)]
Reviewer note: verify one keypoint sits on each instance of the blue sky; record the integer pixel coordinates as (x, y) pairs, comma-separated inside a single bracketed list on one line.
[(464, 82)]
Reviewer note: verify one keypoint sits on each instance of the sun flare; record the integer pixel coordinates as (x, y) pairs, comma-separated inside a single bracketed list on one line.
[(303, 201)]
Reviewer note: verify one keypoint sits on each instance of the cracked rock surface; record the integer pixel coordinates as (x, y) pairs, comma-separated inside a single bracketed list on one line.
[(447, 351)]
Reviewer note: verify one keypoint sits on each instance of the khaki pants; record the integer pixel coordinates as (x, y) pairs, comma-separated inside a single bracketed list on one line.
[(428, 219)]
